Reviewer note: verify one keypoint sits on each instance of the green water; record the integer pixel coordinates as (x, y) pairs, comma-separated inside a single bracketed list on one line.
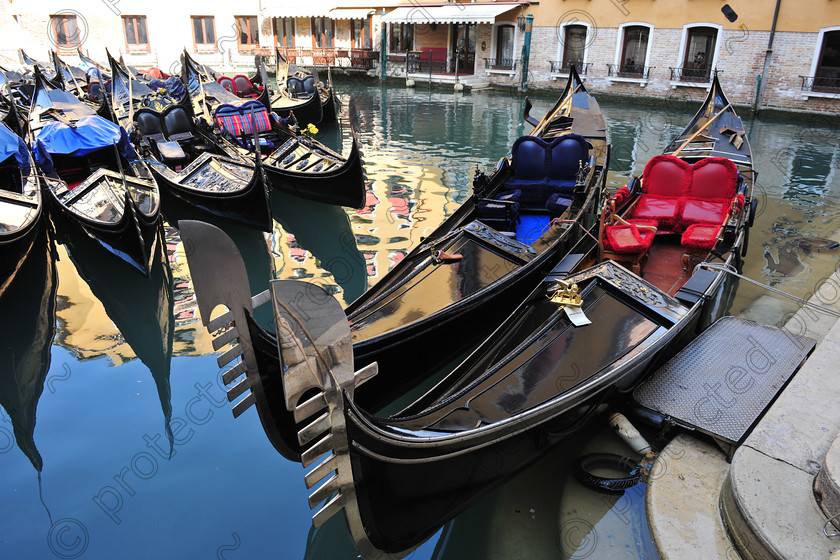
[(89, 472)]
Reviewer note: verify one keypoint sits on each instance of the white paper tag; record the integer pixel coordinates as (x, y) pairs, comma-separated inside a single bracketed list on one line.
[(577, 316)]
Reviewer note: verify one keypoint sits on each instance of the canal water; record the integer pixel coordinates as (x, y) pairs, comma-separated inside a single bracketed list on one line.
[(116, 439)]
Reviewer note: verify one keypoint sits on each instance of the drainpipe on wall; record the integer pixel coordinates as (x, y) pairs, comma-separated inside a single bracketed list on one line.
[(762, 78), (526, 53), (383, 40)]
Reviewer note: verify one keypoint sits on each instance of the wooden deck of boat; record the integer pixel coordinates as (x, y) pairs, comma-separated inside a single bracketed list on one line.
[(664, 267)]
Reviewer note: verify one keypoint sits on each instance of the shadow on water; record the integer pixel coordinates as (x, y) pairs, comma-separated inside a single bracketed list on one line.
[(27, 306)]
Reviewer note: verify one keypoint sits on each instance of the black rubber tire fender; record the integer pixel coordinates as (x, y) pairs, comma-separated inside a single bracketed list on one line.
[(585, 463)]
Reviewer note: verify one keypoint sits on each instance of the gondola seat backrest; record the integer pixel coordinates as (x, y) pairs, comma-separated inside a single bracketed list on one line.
[(309, 84), (238, 120), (665, 181), (149, 125), (541, 169), (94, 89), (243, 86), (226, 83), (294, 86), (177, 123), (568, 155), (714, 183)]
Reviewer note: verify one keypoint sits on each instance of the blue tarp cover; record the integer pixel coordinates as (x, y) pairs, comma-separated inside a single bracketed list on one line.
[(91, 134), (12, 144), (172, 85)]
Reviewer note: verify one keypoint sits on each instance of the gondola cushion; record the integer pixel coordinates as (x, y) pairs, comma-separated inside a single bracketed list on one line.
[(177, 123), (713, 185), (557, 204), (237, 120), (530, 158), (226, 83), (171, 152), (541, 169), (567, 154), (700, 236), (627, 239), (243, 86), (664, 183)]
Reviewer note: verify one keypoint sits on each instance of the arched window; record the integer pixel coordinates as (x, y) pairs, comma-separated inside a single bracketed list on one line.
[(574, 47)]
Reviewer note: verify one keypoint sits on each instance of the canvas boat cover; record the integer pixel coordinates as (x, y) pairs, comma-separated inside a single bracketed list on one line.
[(13, 145)]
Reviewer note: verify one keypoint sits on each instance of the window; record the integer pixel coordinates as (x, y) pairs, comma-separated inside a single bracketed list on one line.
[(247, 32), (699, 53), (322, 32), (359, 34), (136, 37), (827, 74), (204, 32), (285, 30), (401, 39), (65, 31), (504, 46), (634, 51), (574, 46)]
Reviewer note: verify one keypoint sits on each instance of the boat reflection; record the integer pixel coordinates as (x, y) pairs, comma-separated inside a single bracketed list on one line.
[(28, 306), (140, 307), (324, 231)]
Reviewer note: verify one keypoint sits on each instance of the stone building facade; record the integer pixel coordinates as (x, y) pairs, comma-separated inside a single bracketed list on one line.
[(645, 48)]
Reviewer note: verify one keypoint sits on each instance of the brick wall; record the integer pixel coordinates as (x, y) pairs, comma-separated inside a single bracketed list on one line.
[(740, 61)]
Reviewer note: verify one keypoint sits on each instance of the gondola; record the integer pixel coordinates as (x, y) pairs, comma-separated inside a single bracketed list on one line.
[(583, 337), (490, 271), (91, 67), (190, 163), (21, 206), (293, 162), (483, 260), (96, 184), (75, 81), (296, 93)]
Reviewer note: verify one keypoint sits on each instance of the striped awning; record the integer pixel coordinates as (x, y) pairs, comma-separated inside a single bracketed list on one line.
[(350, 13), (450, 13), (297, 11)]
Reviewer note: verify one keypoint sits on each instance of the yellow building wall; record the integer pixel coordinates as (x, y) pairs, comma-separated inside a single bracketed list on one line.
[(795, 16)]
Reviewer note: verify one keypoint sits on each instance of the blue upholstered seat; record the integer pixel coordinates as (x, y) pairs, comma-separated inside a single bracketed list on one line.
[(541, 169)]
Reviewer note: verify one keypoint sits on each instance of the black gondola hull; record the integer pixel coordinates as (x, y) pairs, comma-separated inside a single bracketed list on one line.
[(308, 111), (344, 186), (249, 206)]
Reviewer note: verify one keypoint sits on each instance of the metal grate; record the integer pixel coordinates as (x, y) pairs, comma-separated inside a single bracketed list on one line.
[(723, 380)]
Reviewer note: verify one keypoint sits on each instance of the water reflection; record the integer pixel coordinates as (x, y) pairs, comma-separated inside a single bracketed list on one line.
[(27, 305), (140, 307)]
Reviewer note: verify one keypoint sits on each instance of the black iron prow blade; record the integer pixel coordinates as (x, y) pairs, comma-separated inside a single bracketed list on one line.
[(526, 113)]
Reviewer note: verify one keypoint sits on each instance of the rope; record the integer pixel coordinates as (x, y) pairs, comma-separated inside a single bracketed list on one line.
[(729, 269), (559, 221)]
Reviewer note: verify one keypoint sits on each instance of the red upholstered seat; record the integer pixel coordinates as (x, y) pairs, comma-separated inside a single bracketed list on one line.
[(700, 236), (627, 239), (714, 183), (664, 183)]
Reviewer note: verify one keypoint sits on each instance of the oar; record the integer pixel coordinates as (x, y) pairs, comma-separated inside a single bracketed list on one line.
[(704, 127)]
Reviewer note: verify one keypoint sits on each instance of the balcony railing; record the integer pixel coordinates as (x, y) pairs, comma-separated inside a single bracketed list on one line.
[(693, 75), (500, 64), (822, 84), (417, 62), (332, 56), (629, 71), (563, 67)]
